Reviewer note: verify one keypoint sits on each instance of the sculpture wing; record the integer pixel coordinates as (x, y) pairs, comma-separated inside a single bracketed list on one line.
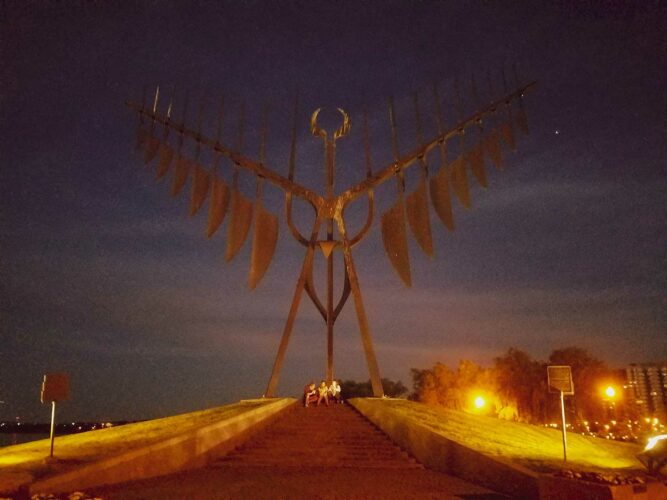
[(450, 177)]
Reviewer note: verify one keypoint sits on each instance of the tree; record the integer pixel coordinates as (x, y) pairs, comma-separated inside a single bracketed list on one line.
[(521, 385), (441, 386), (354, 389), (587, 373)]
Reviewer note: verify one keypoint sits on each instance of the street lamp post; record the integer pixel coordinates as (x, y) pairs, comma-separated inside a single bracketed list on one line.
[(610, 398)]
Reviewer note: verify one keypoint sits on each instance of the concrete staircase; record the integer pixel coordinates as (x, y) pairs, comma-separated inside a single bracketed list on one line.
[(333, 436)]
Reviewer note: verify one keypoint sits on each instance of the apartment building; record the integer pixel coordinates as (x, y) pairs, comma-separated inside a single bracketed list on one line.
[(647, 385)]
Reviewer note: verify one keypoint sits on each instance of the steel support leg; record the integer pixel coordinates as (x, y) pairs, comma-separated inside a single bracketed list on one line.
[(364, 330), (289, 324)]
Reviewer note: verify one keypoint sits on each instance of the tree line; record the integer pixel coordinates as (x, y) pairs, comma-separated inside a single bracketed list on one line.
[(513, 388)]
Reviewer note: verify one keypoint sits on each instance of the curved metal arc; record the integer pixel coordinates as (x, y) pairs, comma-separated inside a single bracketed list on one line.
[(369, 219), (345, 295), (312, 293), (290, 222), (341, 131)]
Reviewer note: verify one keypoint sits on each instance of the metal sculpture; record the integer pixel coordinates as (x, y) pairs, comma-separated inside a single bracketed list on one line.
[(409, 210)]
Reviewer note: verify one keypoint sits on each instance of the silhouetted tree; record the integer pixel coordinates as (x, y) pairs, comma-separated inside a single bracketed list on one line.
[(441, 386), (354, 389), (521, 384), (587, 374), (516, 385)]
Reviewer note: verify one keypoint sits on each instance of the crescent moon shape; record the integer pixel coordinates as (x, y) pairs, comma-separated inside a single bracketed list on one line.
[(314, 127), (342, 131)]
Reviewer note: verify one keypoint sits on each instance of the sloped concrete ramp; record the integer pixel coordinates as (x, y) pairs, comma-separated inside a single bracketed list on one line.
[(316, 452)]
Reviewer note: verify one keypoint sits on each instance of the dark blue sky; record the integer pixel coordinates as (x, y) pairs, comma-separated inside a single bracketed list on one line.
[(104, 276)]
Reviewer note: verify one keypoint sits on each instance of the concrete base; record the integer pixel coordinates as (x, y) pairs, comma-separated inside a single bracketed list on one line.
[(184, 451), (441, 454), (563, 488)]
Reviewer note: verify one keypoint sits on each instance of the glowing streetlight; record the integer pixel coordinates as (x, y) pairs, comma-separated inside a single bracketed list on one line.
[(610, 392), (479, 402)]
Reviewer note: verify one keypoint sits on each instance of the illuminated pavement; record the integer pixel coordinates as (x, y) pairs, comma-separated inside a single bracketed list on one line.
[(308, 453)]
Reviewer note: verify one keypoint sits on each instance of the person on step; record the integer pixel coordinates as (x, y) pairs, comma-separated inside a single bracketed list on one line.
[(323, 391), (309, 394), (334, 392)]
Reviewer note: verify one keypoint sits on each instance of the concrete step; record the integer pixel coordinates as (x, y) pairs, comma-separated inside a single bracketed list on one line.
[(335, 436), (317, 465)]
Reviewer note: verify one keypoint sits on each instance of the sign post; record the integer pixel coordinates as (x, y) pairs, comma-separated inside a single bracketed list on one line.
[(560, 380), (55, 387)]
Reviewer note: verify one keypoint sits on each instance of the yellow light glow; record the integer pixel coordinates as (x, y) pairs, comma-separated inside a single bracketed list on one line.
[(610, 392), (479, 402)]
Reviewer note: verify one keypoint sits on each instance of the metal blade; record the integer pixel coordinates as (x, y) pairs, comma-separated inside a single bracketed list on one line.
[(522, 121), (142, 136), (166, 155), (264, 241), (152, 145), (441, 199), (507, 130), (180, 175), (200, 185), (492, 147), (459, 178), (395, 240), (475, 158), (240, 224), (418, 217), (218, 206)]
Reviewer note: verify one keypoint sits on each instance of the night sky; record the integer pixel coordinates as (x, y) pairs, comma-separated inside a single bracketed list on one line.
[(104, 276)]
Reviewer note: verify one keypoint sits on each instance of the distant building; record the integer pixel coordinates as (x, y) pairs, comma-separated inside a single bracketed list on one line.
[(647, 385)]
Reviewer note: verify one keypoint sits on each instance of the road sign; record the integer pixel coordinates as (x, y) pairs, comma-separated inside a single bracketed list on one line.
[(55, 387), (560, 379)]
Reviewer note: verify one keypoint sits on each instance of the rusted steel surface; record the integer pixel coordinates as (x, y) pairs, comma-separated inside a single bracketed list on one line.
[(166, 155), (217, 208), (441, 198), (200, 188), (395, 239), (384, 174), (265, 237), (492, 148), (181, 173), (152, 145), (458, 177), (329, 208), (364, 329), (241, 218), (507, 131), (416, 206), (306, 268), (475, 160)]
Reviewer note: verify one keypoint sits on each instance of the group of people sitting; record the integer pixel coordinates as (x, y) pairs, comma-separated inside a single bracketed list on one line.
[(324, 392)]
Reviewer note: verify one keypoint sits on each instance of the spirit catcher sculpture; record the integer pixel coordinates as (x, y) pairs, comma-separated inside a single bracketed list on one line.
[(492, 123)]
